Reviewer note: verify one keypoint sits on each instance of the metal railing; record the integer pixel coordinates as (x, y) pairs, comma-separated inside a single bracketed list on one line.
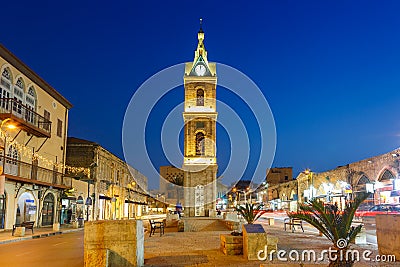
[(33, 172), (17, 109)]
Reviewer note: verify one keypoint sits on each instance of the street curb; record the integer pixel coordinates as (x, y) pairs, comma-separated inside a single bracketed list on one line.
[(36, 236)]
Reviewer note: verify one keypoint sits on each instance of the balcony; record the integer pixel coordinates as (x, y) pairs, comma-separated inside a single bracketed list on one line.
[(24, 118), (28, 173)]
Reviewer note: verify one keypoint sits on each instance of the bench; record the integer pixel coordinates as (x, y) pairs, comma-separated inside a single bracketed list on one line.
[(154, 225), (292, 222), (27, 225)]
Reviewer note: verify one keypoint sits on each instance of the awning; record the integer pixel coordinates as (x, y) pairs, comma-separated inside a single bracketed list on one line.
[(104, 197), (134, 202)]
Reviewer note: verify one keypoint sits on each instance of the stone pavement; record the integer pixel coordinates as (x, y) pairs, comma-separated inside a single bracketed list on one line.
[(202, 248), (6, 235)]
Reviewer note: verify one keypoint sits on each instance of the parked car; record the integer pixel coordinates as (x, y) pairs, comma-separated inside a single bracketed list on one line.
[(378, 209)]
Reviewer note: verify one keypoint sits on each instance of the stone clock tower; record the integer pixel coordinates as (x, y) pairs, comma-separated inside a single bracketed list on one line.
[(200, 115)]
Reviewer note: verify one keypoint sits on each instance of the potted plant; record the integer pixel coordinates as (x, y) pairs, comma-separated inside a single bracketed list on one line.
[(250, 212), (336, 225)]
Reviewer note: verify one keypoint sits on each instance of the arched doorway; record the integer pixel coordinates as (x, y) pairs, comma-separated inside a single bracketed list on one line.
[(48, 210), (26, 208), (2, 210)]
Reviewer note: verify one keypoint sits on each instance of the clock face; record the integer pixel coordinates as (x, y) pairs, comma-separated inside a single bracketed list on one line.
[(200, 70)]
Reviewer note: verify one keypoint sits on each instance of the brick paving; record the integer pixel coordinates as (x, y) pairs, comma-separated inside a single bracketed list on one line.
[(202, 248)]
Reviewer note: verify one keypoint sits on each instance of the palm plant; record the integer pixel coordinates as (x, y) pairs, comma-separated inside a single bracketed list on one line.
[(250, 212), (334, 224)]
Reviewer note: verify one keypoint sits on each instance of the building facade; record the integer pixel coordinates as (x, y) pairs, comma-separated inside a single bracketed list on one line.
[(200, 115), (113, 189), (33, 131), (377, 175), (279, 175)]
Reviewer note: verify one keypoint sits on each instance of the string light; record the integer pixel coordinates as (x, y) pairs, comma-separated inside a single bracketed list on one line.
[(28, 153)]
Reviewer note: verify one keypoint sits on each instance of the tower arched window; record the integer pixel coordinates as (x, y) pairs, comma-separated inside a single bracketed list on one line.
[(5, 88), (18, 97), (200, 144), (200, 97), (30, 100)]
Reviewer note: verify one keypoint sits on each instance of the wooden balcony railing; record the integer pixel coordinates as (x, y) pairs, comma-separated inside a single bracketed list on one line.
[(29, 173), (24, 117)]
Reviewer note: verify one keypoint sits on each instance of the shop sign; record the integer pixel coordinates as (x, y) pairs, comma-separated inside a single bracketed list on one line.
[(348, 189)]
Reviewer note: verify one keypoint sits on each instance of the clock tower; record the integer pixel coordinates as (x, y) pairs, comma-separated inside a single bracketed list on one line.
[(200, 115)]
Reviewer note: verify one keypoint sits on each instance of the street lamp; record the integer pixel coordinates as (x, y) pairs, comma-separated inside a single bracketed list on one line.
[(309, 174), (9, 126)]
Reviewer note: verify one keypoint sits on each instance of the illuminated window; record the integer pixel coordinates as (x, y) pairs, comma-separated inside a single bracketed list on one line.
[(30, 101), (200, 97), (18, 97), (5, 89), (200, 147)]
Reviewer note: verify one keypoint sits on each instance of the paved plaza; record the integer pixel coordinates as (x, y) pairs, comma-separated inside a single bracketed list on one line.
[(202, 248)]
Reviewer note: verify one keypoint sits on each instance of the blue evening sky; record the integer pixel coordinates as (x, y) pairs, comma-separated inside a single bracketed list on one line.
[(330, 70)]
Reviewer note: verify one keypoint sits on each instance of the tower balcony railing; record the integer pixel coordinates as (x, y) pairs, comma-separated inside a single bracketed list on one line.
[(24, 117), (30, 173)]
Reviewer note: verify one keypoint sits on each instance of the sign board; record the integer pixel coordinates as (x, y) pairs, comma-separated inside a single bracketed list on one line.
[(29, 201), (32, 210)]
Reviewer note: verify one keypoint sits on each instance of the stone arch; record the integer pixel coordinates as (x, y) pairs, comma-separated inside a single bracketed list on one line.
[(386, 175)]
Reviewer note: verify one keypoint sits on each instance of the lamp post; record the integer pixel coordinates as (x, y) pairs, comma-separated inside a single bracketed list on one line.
[(309, 174), (11, 127)]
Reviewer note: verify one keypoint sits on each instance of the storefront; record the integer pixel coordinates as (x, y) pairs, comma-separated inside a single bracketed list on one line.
[(26, 208), (48, 210), (386, 191)]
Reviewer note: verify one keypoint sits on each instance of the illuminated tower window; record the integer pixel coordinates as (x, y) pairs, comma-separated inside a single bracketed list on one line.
[(200, 148), (200, 97)]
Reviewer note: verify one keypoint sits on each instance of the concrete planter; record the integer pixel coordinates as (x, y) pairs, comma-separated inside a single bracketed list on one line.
[(56, 227), (231, 245), (254, 240), (388, 234), (114, 243)]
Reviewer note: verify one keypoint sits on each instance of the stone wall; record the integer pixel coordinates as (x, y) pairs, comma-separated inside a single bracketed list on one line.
[(388, 234)]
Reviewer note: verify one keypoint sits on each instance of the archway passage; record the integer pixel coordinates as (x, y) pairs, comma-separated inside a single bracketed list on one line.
[(386, 176), (48, 210)]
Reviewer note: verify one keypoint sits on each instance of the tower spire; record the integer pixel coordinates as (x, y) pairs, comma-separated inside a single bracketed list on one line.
[(201, 51), (201, 25)]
